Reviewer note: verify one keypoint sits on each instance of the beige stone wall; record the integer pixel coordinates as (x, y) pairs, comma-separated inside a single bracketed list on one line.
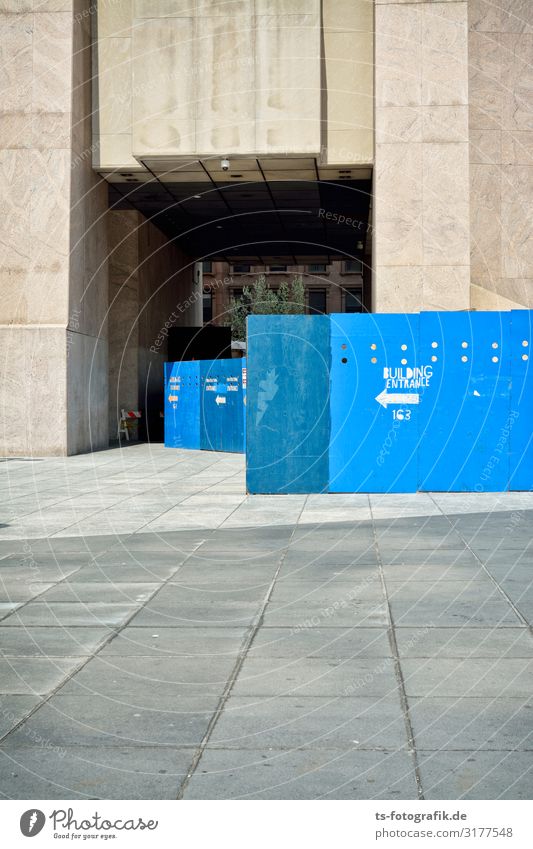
[(348, 38), (206, 77), (149, 289), (48, 255), (500, 42), (421, 176)]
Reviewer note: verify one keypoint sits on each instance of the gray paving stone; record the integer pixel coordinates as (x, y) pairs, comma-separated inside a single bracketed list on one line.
[(474, 677), (7, 607), (92, 772), (156, 572), (464, 642), (15, 708), (150, 677), (328, 591), (51, 641), (466, 723), (319, 571), (476, 775), (433, 572), (344, 614), (318, 641), (480, 591), (261, 676), (19, 591), (34, 674), (304, 774), (62, 613), (162, 613), (310, 722), (110, 592), (100, 720), (177, 642), (444, 614)]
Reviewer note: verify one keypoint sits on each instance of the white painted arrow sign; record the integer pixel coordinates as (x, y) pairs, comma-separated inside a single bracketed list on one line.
[(220, 399), (385, 398)]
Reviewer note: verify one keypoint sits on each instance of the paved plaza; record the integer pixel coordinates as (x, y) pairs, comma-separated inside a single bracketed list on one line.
[(165, 636)]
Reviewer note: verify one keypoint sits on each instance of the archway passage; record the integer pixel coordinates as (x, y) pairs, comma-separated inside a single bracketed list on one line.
[(200, 234)]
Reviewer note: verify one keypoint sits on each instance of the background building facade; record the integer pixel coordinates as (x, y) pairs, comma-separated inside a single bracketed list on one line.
[(393, 134)]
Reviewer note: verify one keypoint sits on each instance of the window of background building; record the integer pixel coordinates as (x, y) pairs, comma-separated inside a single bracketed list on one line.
[(276, 268), (236, 294), (353, 266), (207, 266), (353, 300), (316, 301), (207, 304), (317, 268), (241, 268)]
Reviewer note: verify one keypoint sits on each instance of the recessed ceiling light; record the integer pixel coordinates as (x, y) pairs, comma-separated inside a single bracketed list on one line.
[(219, 227)]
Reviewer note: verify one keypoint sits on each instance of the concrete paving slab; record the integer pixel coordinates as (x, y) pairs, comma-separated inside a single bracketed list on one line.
[(31, 675), (496, 724), (476, 775), (7, 608), (190, 642), (165, 614), (92, 772), (150, 677), (61, 613), (310, 722), (319, 641), (464, 642), (51, 641), (111, 592), (327, 591), (15, 708), (432, 614), (263, 676), (474, 677), (17, 591), (307, 774), (346, 614), (97, 720)]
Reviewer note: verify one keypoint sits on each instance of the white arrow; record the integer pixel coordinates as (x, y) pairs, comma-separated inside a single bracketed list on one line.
[(400, 398), (220, 399)]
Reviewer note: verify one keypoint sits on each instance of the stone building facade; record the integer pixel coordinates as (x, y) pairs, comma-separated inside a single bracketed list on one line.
[(139, 138)]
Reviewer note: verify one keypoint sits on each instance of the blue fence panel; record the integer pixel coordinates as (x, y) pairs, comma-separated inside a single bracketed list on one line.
[(375, 390), (182, 405), (465, 408), (222, 405), (521, 408), (288, 404)]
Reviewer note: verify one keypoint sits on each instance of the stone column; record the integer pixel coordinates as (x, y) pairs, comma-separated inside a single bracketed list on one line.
[(421, 179), (501, 152), (53, 282)]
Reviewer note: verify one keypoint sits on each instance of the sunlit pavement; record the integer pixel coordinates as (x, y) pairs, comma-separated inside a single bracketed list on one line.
[(163, 635)]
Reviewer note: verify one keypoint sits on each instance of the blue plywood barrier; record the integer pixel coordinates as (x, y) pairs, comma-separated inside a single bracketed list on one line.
[(204, 405), (288, 404), (222, 405), (182, 405), (374, 428), (519, 429), (437, 401), (466, 405)]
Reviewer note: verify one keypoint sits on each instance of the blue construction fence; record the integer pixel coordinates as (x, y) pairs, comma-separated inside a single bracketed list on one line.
[(435, 401), (205, 404)]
